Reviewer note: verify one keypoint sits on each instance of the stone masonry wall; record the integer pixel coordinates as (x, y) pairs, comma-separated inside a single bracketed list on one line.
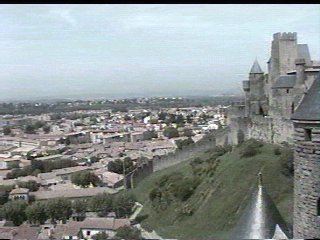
[(282, 130), (158, 163), (306, 218), (260, 128)]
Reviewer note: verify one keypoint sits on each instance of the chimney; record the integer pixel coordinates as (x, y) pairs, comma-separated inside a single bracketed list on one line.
[(300, 68)]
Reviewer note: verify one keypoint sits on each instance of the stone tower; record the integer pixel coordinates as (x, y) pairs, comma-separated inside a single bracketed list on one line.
[(306, 120), (284, 52), (254, 90)]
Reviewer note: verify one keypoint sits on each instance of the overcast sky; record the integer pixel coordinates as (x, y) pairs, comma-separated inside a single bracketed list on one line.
[(118, 50)]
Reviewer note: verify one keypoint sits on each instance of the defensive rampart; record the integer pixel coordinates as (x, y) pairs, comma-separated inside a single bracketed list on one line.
[(157, 163)]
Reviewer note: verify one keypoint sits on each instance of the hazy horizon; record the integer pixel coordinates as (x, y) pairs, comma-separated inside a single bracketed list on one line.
[(92, 51)]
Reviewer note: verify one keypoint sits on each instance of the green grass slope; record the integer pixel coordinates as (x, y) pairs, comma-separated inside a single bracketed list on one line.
[(218, 201)]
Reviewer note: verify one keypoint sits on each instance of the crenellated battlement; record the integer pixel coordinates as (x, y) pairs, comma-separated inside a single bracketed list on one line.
[(291, 36)]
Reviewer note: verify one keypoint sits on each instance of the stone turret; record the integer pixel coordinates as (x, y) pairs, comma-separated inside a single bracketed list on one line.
[(306, 121), (254, 89)]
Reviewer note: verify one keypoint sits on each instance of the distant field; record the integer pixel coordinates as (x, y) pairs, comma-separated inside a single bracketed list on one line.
[(219, 200)]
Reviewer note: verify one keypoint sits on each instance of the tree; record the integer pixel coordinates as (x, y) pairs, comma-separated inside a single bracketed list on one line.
[(101, 203), (12, 165), (171, 132), (123, 204), (100, 236), (148, 135), (32, 185), (85, 178), (39, 124), (187, 132), (6, 130), (117, 165), (36, 212), (59, 209), (189, 119), (79, 207), (29, 129), (185, 142), (127, 232), (46, 128), (15, 211)]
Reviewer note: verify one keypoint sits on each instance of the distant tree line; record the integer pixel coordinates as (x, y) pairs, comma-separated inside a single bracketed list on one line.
[(120, 105), (61, 209)]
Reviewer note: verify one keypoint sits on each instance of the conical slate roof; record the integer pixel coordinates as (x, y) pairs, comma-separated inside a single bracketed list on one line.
[(260, 218), (256, 68), (309, 108)]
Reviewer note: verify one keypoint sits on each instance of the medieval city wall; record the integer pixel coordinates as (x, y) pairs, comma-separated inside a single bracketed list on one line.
[(282, 130), (260, 128), (157, 163), (238, 130)]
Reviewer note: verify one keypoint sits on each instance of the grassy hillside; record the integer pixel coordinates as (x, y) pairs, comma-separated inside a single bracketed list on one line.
[(224, 187)]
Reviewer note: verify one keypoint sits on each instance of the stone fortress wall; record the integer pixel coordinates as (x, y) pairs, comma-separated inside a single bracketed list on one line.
[(272, 98), (216, 138)]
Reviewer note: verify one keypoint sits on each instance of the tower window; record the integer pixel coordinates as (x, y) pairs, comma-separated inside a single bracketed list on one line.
[(307, 134), (287, 90), (318, 207)]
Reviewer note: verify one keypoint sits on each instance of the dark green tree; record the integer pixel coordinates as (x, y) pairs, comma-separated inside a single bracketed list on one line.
[(148, 135), (79, 207), (39, 124), (117, 165), (123, 204), (59, 209), (85, 178), (46, 128), (171, 132), (102, 203), (29, 129), (100, 236), (32, 185), (15, 211), (36, 212), (127, 232), (6, 130)]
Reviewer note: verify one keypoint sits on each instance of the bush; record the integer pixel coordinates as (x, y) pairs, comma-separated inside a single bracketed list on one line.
[(127, 232), (251, 148), (196, 161), (249, 151), (183, 190), (277, 151)]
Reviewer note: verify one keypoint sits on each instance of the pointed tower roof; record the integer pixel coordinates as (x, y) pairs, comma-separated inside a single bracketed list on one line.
[(256, 68), (261, 218), (309, 108)]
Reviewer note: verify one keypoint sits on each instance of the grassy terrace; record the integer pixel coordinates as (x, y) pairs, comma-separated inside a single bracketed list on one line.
[(219, 199)]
